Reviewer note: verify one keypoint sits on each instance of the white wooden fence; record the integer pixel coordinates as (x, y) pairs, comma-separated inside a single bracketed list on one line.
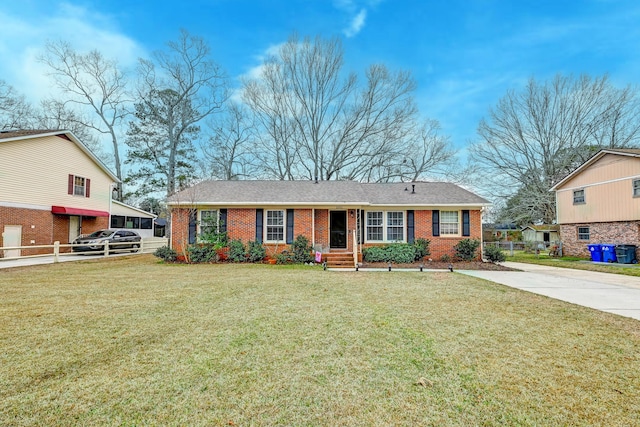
[(57, 250)]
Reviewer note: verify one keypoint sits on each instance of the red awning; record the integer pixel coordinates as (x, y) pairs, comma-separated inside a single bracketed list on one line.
[(63, 210)]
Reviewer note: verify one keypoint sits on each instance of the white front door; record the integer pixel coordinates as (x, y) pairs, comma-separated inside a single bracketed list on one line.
[(12, 236), (74, 227)]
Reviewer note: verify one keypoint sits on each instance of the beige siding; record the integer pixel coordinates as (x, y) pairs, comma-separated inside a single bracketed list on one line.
[(608, 188), (35, 172)]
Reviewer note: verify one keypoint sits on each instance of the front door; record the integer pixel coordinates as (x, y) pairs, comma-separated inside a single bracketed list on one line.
[(338, 229), (11, 237), (74, 227)]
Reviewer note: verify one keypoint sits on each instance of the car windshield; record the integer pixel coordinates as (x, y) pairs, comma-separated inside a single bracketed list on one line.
[(100, 234)]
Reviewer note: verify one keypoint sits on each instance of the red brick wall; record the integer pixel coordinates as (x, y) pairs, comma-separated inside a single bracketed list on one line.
[(241, 224), (440, 245), (180, 229), (44, 227), (614, 233), (322, 227)]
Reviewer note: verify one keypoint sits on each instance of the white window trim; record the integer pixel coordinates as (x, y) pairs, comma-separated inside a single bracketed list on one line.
[(84, 186), (459, 222), (265, 226), (578, 233), (385, 225)]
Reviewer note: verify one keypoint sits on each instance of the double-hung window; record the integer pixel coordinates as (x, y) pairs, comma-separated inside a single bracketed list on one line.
[(385, 226), (449, 223), (275, 226), (584, 233), (375, 226), (208, 221), (578, 197), (78, 186), (636, 188), (395, 226)]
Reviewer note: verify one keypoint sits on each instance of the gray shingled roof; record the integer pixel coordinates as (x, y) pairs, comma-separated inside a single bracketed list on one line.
[(325, 192)]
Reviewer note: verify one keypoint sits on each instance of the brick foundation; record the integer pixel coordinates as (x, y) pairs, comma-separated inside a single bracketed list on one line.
[(615, 233)]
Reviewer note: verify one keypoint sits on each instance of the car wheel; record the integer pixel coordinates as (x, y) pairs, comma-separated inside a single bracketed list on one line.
[(135, 247)]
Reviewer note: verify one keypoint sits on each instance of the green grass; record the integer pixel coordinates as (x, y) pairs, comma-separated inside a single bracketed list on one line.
[(574, 262), (129, 341)]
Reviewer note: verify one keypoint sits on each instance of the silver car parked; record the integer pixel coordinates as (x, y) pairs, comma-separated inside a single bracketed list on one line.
[(118, 239)]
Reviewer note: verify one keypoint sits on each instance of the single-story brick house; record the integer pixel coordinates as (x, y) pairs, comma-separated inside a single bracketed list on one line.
[(329, 213), (599, 202)]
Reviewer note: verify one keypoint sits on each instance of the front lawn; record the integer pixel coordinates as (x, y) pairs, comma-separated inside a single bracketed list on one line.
[(129, 341)]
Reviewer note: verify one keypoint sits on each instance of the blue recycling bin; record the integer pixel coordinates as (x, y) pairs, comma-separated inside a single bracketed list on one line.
[(609, 253), (596, 252)]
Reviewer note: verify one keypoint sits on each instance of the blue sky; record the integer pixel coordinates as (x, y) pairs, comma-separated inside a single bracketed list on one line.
[(464, 54)]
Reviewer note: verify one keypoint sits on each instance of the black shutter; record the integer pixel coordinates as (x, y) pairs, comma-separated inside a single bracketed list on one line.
[(259, 220), (87, 188), (466, 227), (192, 227), (70, 182), (435, 222), (222, 223), (410, 227), (289, 226)]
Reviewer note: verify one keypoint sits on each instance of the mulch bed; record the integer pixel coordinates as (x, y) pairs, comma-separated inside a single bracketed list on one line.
[(437, 265)]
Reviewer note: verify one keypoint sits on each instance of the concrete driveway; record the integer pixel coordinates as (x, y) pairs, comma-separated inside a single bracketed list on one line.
[(613, 293)]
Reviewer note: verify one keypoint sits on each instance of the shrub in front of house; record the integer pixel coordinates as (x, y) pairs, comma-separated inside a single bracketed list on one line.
[(301, 250), (166, 254), (237, 251), (256, 251), (466, 250), (199, 253), (397, 253), (421, 246), (494, 254)]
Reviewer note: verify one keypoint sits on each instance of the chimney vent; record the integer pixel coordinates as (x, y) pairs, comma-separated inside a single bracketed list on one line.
[(413, 189)]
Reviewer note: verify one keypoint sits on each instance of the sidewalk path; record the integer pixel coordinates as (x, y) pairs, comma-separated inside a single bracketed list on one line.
[(612, 293)]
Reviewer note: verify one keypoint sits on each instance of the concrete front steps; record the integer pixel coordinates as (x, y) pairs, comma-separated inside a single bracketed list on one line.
[(339, 259)]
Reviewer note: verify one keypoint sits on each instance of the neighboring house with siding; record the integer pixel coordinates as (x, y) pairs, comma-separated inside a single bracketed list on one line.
[(600, 202), (548, 233), (328, 212), (52, 188)]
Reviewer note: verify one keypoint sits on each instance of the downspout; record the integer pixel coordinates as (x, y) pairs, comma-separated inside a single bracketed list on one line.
[(313, 228)]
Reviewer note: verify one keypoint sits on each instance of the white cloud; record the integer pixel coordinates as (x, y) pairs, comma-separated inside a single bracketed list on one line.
[(357, 23), (22, 40)]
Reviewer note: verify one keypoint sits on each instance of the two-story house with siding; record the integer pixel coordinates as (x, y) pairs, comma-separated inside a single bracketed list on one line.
[(335, 216), (600, 202), (52, 188)]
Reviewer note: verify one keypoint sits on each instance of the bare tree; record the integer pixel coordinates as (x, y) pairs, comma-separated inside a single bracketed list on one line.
[(535, 137), (229, 153), (54, 114), (321, 123), (94, 82), (15, 111), (424, 154), (177, 89)]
